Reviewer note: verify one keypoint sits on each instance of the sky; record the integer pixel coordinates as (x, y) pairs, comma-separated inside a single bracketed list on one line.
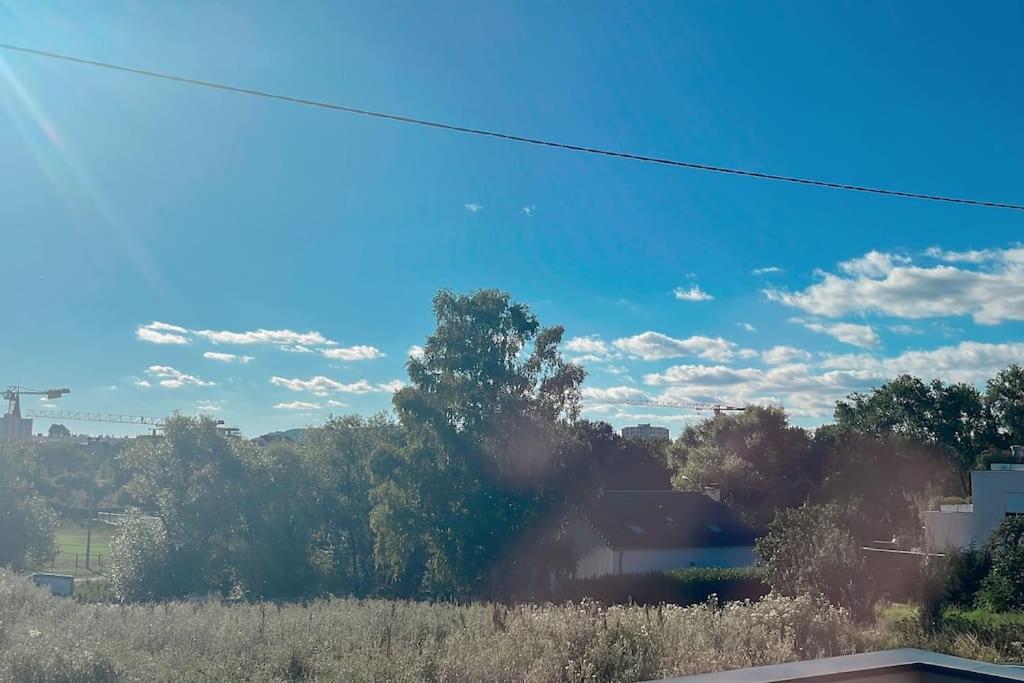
[(168, 247)]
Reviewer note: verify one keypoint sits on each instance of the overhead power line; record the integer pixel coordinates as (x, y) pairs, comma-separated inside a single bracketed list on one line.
[(512, 137)]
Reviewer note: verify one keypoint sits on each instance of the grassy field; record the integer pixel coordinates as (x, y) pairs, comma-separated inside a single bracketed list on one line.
[(71, 542), (45, 638)]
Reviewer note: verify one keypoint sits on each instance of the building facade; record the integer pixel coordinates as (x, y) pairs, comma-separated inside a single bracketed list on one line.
[(645, 432), (996, 494)]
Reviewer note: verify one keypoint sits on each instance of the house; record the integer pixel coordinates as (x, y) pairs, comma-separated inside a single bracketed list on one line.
[(997, 493), (639, 531)]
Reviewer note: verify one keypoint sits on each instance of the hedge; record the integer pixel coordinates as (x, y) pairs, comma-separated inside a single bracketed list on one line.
[(680, 587)]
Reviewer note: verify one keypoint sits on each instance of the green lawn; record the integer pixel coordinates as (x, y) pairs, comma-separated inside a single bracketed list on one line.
[(71, 542)]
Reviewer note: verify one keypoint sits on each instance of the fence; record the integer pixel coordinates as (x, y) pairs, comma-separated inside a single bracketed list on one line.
[(77, 564)]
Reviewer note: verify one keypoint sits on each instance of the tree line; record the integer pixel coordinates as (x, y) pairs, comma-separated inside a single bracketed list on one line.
[(459, 492)]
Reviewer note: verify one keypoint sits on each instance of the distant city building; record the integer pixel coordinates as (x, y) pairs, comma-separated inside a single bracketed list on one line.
[(645, 432), (14, 427)]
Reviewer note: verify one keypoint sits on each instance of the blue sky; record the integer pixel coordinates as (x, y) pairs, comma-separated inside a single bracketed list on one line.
[(128, 201)]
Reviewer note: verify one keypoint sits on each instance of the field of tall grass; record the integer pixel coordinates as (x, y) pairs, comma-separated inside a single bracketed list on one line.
[(45, 638)]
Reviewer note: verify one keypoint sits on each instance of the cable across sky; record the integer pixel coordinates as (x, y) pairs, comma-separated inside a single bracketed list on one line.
[(516, 138)]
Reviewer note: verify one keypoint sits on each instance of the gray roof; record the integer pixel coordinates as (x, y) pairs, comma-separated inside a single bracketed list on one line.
[(665, 519), (914, 664)]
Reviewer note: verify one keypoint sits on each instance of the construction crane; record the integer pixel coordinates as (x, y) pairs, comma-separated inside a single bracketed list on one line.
[(155, 423), (718, 408), (96, 417), (13, 426)]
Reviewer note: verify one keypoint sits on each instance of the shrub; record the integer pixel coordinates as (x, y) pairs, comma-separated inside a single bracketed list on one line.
[(682, 587), (1002, 590), (140, 561), (810, 550)]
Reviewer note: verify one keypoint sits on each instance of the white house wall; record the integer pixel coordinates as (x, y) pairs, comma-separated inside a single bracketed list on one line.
[(994, 493)]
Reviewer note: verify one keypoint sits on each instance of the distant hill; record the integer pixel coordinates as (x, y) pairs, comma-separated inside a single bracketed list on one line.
[(297, 435)]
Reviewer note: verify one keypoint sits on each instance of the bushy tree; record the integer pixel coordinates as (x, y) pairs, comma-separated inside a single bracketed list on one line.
[(1004, 401), (141, 565), (810, 550), (479, 417), (1003, 589), (198, 484), (759, 460), (58, 431), (26, 522), (950, 419)]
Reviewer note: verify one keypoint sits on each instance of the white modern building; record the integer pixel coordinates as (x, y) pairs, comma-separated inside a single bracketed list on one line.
[(996, 493), (635, 532), (645, 432)]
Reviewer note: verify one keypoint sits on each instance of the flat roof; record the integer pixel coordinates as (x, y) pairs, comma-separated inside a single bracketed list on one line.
[(868, 665)]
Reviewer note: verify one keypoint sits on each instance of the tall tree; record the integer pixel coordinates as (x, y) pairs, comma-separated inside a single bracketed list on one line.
[(479, 417)]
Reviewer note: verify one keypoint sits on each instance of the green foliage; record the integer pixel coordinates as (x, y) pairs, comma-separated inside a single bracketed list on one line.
[(963, 574), (810, 550), (1004, 400), (26, 522), (481, 421), (59, 431), (759, 461), (950, 418), (1002, 589), (142, 565), (44, 637)]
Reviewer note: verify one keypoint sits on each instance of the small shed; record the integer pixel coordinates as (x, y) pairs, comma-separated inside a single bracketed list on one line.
[(59, 584)]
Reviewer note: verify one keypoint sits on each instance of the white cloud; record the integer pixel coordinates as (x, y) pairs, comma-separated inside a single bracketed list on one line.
[(694, 293), (262, 336), (298, 348), (904, 329), (779, 355), (810, 390), (322, 386), (848, 333), (967, 361), (162, 333), (529, 210), (336, 404), (352, 353), (473, 207), (142, 383), (873, 264), (612, 394), (1014, 254), (226, 357), (297, 405), (657, 346), (747, 326), (415, 351), (591, 345), (210, 406), (767, 270), (889, 285), (702, 375), (174, 379)]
